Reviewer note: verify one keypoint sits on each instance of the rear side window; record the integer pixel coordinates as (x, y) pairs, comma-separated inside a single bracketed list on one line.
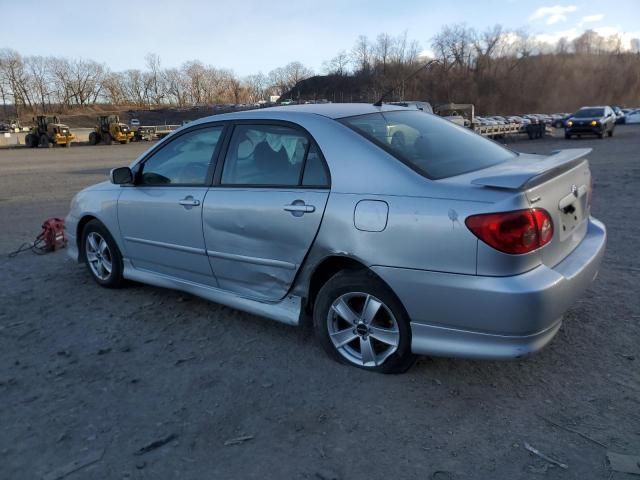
[(315, 173), (272, 155), (434, 147)]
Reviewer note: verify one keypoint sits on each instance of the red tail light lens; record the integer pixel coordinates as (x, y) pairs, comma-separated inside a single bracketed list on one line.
[(516, 232)]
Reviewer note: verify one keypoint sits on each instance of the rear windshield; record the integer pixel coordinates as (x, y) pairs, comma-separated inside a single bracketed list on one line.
[(589, 112), (434, 147)]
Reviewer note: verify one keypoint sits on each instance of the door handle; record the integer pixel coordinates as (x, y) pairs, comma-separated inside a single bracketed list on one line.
[(189, 202), (300, 208)]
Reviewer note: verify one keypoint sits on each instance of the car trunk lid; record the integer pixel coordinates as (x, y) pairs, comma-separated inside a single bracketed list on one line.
[(560, 183)]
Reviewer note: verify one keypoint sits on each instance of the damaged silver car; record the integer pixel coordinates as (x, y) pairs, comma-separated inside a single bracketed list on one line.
[(392, 230)]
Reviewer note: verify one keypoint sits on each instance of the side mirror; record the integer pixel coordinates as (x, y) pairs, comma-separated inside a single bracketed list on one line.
[(121, 176)]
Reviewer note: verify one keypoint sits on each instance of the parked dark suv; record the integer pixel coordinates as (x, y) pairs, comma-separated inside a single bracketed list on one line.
[(591, 121)]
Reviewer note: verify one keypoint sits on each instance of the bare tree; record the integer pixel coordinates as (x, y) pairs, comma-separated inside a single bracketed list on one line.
[(454, 45), (562, 46), (361, 54), (157, 87), (14, 77), (338, 65), (37, 69), (586, 43), (283, 79), (383, 48), (114, 89), (177, 85), (295, 72), (257, 86)]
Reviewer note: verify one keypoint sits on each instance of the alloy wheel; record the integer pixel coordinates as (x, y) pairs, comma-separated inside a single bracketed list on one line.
[(98, 256), (363, 329)]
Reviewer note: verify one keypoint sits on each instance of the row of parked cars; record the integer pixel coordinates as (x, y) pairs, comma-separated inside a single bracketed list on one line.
[(558, 120), (528, 119)]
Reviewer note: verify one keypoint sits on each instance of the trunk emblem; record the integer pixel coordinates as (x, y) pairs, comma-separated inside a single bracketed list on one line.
[(574, 190)]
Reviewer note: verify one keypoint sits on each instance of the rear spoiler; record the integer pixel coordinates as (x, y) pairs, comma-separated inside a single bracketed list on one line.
[(523, 173)]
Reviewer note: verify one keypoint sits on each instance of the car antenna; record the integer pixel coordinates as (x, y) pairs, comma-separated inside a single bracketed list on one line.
[(388, 92)]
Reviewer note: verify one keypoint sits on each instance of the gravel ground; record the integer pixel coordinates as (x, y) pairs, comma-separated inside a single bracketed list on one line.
[(150, 383)]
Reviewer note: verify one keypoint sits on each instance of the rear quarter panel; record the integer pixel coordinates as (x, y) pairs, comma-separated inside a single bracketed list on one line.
[(421, 233)]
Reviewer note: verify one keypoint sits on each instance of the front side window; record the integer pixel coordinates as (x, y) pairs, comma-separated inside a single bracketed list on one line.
[(183, 161), (434, 147), (271, 155)]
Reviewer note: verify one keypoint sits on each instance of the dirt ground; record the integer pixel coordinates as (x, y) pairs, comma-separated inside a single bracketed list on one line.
[(149, 383)]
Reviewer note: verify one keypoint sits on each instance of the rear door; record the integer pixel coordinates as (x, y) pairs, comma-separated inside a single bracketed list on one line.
[(263, 213), (160, 217)]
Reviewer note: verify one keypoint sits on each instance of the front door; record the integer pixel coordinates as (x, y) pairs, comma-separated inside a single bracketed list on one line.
[(262, 217), (160, 217)]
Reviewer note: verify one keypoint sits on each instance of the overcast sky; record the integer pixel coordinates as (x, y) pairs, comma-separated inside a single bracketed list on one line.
[(249, 36)]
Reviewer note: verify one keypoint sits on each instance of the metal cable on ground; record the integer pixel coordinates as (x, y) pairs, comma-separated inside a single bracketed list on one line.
[(37, 247)]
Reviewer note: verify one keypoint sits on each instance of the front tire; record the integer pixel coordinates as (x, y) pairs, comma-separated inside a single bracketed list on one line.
[(610, 132), (360, 322), (102, 255)]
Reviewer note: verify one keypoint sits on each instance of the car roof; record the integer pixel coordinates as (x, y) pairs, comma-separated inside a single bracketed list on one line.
[(298, 112), (336, 110)]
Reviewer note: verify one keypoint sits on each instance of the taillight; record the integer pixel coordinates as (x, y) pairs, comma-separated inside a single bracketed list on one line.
[(516, 232)]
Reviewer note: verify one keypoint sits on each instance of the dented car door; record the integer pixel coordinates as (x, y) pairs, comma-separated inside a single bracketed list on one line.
[(262, 215)]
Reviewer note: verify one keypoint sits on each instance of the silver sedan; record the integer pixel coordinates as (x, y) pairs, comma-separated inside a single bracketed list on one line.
[(393, 231)]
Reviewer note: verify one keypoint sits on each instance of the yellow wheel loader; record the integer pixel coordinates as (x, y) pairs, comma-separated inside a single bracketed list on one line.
[(47, 132), (109, 130)]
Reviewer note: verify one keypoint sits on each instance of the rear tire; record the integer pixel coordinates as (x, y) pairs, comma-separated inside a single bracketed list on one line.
[(567, 136), (93, 138), (30, 141), (107, 139), (102, 255), (360, 322), (610, 133), (44, 141)]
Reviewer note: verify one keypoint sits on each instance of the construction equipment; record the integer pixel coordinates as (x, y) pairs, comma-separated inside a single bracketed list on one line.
[(144, 133), (110, 129), (47, 132)]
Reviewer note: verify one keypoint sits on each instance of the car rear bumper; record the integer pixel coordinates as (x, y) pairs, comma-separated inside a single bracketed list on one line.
[(494, 317)]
